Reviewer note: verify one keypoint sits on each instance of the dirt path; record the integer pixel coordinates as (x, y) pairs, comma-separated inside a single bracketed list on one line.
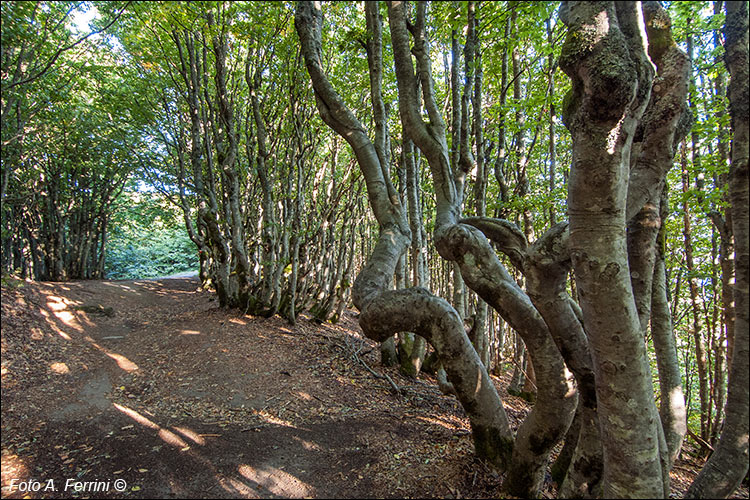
[(149, 382)]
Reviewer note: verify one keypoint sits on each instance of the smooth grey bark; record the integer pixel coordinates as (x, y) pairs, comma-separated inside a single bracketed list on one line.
[(723, 220), (672, 402), (416, 224), (664, 124), (517, 378), (611, 84), (559, 468), (546, 265), (662, 127), (667, 118), (726, 325), (642, 232), (389, 355), (728, 465)]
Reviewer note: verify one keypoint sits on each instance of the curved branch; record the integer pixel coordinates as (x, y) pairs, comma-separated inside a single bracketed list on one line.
[(546, 265), (482, 270), (430, 139), (387, 312), (374, 49), (437, 321), (308, 20), (556, 397), (603, 56), (546, 269), (507, 236), (665, 119)]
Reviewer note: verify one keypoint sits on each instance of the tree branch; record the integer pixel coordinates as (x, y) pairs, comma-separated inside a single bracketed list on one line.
[(59, 52)]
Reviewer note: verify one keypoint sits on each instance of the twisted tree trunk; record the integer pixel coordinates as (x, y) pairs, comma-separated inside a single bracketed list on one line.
[(479, 265), (611, 76), (385, 312)]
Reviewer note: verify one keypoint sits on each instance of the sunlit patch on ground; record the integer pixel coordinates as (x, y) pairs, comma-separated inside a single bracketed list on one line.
[(304, 395), (271, 419), (191, 435), (121, 360), (275, 481), (59, 368), (166, 435), (308, 445), (13, 467)]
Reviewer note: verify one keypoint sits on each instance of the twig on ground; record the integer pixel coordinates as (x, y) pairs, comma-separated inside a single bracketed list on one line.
[(377, 375), (703, 444), (355, 356), (253, 428)]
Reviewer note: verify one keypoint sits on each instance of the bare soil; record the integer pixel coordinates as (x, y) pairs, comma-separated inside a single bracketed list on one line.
[(152, 383)]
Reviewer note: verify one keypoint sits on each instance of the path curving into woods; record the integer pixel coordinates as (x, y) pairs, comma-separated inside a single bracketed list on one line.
[(150, 382)]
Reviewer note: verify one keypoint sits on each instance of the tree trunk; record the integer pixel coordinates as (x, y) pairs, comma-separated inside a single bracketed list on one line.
[(385, 312), (479, 331), (728, 465), (672, 402), (499, 165), (519, 368), (611, 76), (416, 224), (552, 66), (722, 220), (700, 351)]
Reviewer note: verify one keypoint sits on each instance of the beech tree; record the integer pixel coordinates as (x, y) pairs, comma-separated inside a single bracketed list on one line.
[(426, 149), (612, 89), (63, 152), (235, 129)]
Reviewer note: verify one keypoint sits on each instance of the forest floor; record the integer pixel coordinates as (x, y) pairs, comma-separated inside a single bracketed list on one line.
[(149, 382)]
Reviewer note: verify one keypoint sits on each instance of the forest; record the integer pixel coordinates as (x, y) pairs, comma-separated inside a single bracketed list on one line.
[(557, 192)]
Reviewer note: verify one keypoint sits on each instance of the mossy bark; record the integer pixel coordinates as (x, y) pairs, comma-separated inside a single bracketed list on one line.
[(611, 77)]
